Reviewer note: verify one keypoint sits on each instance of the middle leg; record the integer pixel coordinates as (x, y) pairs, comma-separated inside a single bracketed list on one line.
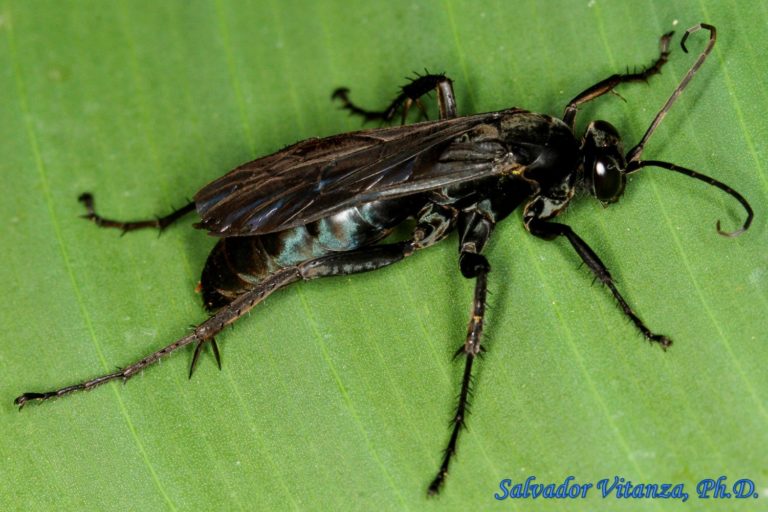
[(475, 229), (410, 95)]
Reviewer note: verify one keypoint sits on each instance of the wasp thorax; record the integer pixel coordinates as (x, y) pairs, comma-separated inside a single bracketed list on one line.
[(604, 162)]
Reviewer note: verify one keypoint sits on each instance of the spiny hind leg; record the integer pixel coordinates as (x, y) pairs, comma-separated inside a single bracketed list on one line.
[(434, 224), (200, 334)]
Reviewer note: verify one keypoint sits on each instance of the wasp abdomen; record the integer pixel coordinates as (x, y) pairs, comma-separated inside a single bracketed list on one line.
[(237, 264)]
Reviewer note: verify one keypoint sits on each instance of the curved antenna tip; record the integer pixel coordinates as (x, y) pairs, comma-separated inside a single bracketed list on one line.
[(729, 234), (636, 165), (696, 28)]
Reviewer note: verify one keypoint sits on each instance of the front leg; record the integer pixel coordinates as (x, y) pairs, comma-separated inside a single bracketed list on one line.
[(546, 230), (607, 85), (475, 229), (410, 95)]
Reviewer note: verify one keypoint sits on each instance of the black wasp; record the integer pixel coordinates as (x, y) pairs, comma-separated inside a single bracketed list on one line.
[(319, 207)]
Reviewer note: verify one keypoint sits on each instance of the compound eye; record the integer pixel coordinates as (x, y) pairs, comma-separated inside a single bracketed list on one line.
[(607, 180)]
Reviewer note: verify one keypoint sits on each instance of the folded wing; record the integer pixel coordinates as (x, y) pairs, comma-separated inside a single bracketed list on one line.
[(317, 177)]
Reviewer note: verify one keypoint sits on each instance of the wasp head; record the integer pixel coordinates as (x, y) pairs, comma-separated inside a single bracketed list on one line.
[(604, 162)]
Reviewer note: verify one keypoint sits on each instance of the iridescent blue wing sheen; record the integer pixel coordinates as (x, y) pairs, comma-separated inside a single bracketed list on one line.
[(318, 177)]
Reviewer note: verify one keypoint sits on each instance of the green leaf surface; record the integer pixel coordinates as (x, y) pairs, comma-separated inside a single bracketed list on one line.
[(336, 394)]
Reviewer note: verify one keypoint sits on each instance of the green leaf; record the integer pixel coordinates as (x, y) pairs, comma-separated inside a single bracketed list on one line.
[(337, 394)]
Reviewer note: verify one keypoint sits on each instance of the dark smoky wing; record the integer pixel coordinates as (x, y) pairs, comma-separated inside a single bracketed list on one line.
[(316, 177)]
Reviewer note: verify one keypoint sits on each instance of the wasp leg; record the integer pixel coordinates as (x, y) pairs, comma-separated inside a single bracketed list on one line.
[(202, 333), (475, 229), (470, 349), (551, 230), (158, 223), (435, 223), (199, 348), (410, 95), (607, 85)]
